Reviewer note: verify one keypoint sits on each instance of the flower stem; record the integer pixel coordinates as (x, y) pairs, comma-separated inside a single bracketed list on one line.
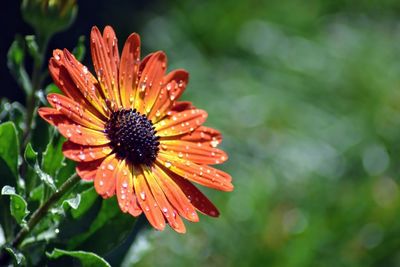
[(36, 81), (42, 210)]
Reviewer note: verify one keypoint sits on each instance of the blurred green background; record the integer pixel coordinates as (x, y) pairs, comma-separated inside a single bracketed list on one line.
[(307, 95)]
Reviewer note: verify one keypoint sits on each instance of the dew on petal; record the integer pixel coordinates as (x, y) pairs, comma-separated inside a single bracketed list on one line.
[(110, 167), (124, 184), (143, 195), (214, 143), (168, 164), (82, 156)]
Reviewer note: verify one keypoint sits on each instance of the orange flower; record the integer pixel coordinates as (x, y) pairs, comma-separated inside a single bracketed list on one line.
[(131, 136)]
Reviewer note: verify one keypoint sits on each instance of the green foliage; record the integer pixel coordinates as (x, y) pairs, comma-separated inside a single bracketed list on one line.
[(87, 259), (18, 205), (9, 148), (15, 62)]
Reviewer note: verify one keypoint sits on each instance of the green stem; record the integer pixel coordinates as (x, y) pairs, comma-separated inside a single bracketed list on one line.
[(43, 210), (36, 85)]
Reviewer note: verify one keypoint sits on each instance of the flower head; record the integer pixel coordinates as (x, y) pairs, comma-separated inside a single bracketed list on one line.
[(129, 134)]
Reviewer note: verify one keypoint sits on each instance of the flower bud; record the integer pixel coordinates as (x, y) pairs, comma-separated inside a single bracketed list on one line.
[(49, 16)]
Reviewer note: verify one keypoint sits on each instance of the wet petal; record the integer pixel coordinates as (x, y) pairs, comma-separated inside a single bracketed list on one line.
[(173, 85), (60, 68), (85, 83), (87, 170), (197, 198), (146, 200), (105, 179), (162, 202), (85, 153), (125, 192), (201, 174), (105, 63), (175, 195), (180, 123), (75, 111), (196, 152), (128, 70), (82, 135), (204, 135), (53, 116), (149, 85)]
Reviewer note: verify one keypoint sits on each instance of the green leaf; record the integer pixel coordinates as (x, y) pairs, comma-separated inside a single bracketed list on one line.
[(73, 202), (46, 178), (87, 259), (33, 47), (18, 205), (15, 62), (9, 146), (37, 193), (88, 197), (108, 229), (80, 49), (53, 156), (30, 155), (52, 88), (18, 256)]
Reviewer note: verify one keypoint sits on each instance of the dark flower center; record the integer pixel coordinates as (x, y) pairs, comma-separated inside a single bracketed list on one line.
[(132, 136)]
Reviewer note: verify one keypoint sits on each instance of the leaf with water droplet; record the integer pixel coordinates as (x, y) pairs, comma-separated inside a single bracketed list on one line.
[(18, 205), (73, 202), (19, 258), (85, 258)]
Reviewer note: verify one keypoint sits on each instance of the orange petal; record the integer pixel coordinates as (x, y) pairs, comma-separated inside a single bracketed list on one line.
[(175, 195), (169, 212), (87, 170), (204, 135), (105, 64), (180, 123), (149, 84), (75, 111), (85, 153), (173, 85), (105, 179), (201, 174), (146, 200), (196, 152), (197, 198), (180, 106), (53, 116), (82, 135), (128, 70), (85, 82), (125, 192)]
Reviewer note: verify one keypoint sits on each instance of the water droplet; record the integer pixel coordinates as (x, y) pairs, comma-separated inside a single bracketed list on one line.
[(82, 156), (214, 143), (168, 164), (143, 195), (124, 184), (123, 197), (168, 87), (165, 210), (180, 154), (110, 167), (57, 230), (85, 70), (101, 183)]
